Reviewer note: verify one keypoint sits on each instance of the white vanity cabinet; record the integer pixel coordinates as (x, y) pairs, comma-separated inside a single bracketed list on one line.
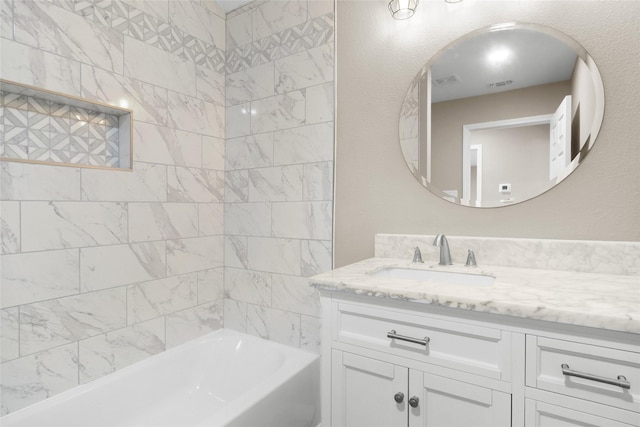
[(392, 363), (396, 367), (572, 383)]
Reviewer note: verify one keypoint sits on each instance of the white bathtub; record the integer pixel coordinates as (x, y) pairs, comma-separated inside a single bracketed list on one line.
[(222, 379)]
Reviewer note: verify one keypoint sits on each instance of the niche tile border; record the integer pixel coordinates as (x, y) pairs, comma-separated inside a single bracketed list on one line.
[(46, 127)]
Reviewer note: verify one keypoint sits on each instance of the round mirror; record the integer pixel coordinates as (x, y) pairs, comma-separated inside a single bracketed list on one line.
[(501, 115)]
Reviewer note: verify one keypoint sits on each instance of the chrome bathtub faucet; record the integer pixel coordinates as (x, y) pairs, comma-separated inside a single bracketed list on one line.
[(417, 256), (445, 255)]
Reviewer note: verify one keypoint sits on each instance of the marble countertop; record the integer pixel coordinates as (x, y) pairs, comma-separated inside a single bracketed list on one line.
[(596, 300)]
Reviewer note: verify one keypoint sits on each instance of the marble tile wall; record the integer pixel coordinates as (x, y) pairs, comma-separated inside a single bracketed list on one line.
[(279, 167), (100, 269)]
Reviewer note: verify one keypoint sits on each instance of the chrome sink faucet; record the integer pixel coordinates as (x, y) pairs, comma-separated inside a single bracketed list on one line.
[(445, 255)]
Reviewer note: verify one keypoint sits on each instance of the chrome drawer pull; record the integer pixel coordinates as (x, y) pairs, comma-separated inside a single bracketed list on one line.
[(620, 382), (392, 334)]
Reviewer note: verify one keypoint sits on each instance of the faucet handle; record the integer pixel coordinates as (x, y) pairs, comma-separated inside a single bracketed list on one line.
[(471, 259), (417, 255)]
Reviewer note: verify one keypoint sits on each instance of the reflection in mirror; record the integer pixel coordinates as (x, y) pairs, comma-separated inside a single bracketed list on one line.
[(501, 115)]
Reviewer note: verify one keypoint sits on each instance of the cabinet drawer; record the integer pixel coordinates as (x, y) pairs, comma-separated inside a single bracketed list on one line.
[(476, 349), (542, 414), (560, 366)]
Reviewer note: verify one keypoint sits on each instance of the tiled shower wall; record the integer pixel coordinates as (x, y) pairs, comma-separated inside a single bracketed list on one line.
[(279, 167), (103, 268)]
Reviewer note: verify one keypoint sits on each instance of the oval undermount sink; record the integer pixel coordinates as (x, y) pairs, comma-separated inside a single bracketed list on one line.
[(435, 275)]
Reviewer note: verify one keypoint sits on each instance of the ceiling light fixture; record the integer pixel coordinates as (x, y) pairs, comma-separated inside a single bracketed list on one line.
[(403, 9)]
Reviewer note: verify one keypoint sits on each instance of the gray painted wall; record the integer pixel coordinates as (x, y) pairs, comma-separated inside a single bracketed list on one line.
[(377, 58)]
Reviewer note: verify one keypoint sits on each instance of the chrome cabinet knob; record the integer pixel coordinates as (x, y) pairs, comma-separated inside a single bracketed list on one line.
[(398, 397), (413, 402)]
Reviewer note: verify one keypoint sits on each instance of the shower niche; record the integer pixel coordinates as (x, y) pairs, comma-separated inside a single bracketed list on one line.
[(41, 126)]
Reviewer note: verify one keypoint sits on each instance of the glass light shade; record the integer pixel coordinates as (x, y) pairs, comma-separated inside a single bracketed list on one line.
[(403, 9)]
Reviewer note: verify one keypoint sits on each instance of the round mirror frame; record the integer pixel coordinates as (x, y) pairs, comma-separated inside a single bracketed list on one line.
[(596, 124)]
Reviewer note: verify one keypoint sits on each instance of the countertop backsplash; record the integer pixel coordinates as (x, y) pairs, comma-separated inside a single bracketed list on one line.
[(619, 258)]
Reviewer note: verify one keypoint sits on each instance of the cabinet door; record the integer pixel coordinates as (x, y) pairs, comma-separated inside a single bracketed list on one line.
[(541, 414), (363, 391), (444, 402)]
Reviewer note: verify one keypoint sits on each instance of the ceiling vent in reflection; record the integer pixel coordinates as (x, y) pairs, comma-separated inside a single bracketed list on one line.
[(447, 80), (500, 84)]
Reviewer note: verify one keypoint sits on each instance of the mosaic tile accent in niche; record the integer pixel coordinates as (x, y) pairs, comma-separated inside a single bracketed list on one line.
[(38, 129)]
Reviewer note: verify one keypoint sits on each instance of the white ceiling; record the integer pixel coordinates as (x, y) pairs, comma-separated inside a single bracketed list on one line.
[(229, 5), (536, 59)]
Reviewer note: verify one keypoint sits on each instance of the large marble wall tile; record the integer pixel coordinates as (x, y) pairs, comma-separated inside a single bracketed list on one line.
[(249, 152), (103, 354), (213, 153), (38, 276), (195, 185), (293, 293), (274, 16), (161, 221), (109, 266), (278, 112), (152, 65), (236, 186), (210, 285), (9, 334), (159, 297), (304, 69), (317, 8), (276, 184), (6, 19), (320, 103), (195, 115), (210, 85), (310, 334), (148, 102), (275, 325), (159, 144), (194, 322), (41, 24), (239, 30), (238, 120), (251, 84), (9, 227), (60, 321), (317, 183), (30, 379), (236, 251), (58, 225), (316, 257), (156, 8), (147, 183), (302, 220), (36, 67), (188, 255), (248, 219), (23, 181), (307, 144), (274, 255), (211, 219), (248, 286), (235, 315), (198, 21)]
